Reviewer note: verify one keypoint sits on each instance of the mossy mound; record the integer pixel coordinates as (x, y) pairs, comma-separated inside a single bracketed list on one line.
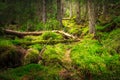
[(31, 56), (10, 55), (51, 35)]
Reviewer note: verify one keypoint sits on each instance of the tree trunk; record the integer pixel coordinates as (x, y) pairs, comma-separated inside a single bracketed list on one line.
[(92, 16), (59, 12), (104, 9), (78, 12), (39, 10), (70, 9), (44, 12), (86, 11), (21, 34)]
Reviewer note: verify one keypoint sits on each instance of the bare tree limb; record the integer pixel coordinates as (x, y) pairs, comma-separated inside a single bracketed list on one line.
[(21, 34)]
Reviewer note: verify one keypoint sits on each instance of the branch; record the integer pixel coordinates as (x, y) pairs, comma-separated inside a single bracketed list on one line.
[(17, 33), (21, 34)]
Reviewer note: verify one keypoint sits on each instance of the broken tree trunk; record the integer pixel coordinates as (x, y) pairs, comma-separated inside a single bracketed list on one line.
[(22, 34), (44, 42)]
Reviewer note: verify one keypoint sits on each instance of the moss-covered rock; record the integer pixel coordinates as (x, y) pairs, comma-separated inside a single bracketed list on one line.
[(51, 35), (10, 55)]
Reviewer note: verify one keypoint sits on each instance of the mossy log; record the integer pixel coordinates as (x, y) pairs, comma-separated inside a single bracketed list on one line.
[(45, 42), (21, 34)]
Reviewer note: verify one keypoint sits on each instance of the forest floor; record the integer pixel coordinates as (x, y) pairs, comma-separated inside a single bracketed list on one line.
[(89, 58)]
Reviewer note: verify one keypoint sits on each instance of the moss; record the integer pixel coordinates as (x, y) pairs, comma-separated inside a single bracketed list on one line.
[(10, 56), (75, 31), (20, 72), (54, 54), (31, 56), (112, 42), (50, 35)]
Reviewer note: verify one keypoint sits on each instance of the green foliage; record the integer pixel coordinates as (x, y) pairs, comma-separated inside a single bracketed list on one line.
[(52, 24), (51, 35), (40, 26), (21, 11), (109, 26), (2, 6)]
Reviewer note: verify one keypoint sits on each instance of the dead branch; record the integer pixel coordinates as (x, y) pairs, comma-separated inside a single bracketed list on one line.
[(21, 34)]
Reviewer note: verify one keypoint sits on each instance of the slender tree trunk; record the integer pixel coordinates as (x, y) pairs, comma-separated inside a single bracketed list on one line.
[(105, 9), (62, 9), (39, 10), (59, 12), (86, 11), (44, 12), (92, 16), (70, 9), (78, 12)]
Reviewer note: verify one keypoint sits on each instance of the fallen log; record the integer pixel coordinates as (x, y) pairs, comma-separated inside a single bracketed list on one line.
[(17, 33), (21, 34), (44, 42), (66, 18), (64, 34)]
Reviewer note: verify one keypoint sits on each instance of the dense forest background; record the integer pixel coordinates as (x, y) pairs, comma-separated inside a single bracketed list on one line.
[(59, 39)]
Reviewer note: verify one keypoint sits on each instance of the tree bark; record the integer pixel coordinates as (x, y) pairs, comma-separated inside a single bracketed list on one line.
[(78, 12), (86, 11), (21, 34), (105, 7), (92, 16), (39, 10), (44, 12), (70, 9), (59, 12)]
